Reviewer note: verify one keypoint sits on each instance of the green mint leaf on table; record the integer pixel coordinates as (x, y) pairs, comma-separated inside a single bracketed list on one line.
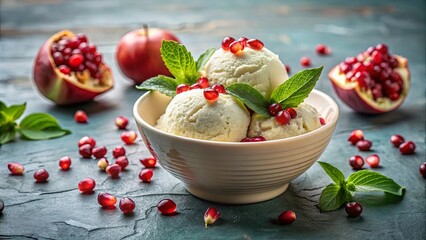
[(13, 112), (335, 174), (250, 97), (333, 196), (39, 126), (179, 61), (2, 106), (163, 84), (369, 181), (202, 60), (7, 136), (293, 91)]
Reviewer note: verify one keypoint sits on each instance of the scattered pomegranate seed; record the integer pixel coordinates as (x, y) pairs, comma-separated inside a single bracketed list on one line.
[(106, 200), (86, 185), (236, 47), (254, 139), (397, 140), (167, 207), (145, 175), (122, 161), (210, 94), (121, 122), (65, 163), (407, 148), (305, 62), (226, 42), (85, 151), (203, 81), (322, 121), (211, 216), (80, 116), (103, 163), (323, 49), (129, 137), (148, 162), (353, 209), (355, 136), (373, 160), (99, 152), (41, 175), (1, 206), (292, 112), (113, 170), (422, 169), (356, 162), (127, 205), (15, 168), (86, 140), (64, 69), (287, 68), (75, 60), (118, 151), (182, 88), (364, 145), (274, 108), (283, 117), (255, 44), (195, 86), (219, 88), (286, 217), (243, 40)]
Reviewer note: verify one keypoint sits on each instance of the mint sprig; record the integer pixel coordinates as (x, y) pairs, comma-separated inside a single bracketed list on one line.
[(36, 126), (250, 97), (340, 192)]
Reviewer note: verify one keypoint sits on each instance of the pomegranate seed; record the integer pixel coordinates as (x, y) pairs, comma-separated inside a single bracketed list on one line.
[(305, 62), (76, 52), (283, 117), (255, 44), (129, 137), (322, 49), (243, 40), (182, 88), (1, 206), (353, 209), (122, 161), (211, 216), (58, 58), (345, 68), (121, 122), (99, 152), (322, 121), (292, 112), (41, 175), (75, 60), (15, 168), (355, 136), (377, 57), (98, 58), (85, 151), (373, 160), (145, 175), (397, 140), (356, 162), (67, 52), (274, 108), (254, 139), (382, 48), (84, 47), (64, 69), (103, 163), (287, 68), (236, 47), (407, 148), (127, 205), (86, 185), (210, 94), (167, 207), (92, 48), (87, 140), (219, 88), (364, 145), (226, 42), (422, 169), (286, 217), (118, 151), (148, 162), (195, 86), (113, 170), (351, 60), (65, 163), (106, 200), (80, 116), (204, 82)]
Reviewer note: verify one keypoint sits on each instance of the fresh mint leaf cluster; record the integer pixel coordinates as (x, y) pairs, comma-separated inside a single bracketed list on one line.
[(36, 126), (342, 191)]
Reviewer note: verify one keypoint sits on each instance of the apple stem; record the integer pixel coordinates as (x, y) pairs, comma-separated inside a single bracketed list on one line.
[(145, 27)]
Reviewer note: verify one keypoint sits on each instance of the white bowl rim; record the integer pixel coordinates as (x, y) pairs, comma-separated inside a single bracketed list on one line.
[(330, 124)]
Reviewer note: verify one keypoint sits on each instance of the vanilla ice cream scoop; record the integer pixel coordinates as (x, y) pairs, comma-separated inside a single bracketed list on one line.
[(189, 114), (307, 120), (262, 69)]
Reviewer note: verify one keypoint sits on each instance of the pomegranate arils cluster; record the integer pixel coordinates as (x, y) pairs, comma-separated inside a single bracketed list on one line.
[(357, 138), (404, 147), (236, 47), (282, 116)]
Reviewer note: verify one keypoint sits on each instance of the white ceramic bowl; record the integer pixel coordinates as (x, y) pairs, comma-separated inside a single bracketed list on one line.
[(234, 172)]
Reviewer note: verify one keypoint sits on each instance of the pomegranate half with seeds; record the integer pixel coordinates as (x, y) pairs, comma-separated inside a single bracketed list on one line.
[(68, 69), (373, 82)]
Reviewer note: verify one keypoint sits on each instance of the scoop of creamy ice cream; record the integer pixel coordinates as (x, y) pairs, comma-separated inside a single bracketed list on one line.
[(189, 114), (262, 69), (307, 120)]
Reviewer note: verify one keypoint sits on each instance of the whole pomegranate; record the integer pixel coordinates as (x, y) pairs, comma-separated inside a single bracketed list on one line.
[(138, 53), (68, 69), (373, 82)]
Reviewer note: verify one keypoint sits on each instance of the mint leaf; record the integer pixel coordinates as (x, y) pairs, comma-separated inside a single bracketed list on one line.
[(39, 126), (335, 174), (2, 106), (202, 60), (293, 91), (7, 136), (250, 97), (179, 61), (366, 181), (163, 84), (333, 196), (13, 112)]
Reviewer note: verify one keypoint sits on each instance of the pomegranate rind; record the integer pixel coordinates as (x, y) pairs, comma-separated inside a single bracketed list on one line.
[(65, 89), (362, 101)]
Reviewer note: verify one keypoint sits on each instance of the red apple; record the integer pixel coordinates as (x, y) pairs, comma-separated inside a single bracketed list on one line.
[(138, 53)]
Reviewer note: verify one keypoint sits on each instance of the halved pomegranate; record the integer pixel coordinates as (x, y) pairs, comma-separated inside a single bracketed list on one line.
[(68, 69), (373, 82)]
